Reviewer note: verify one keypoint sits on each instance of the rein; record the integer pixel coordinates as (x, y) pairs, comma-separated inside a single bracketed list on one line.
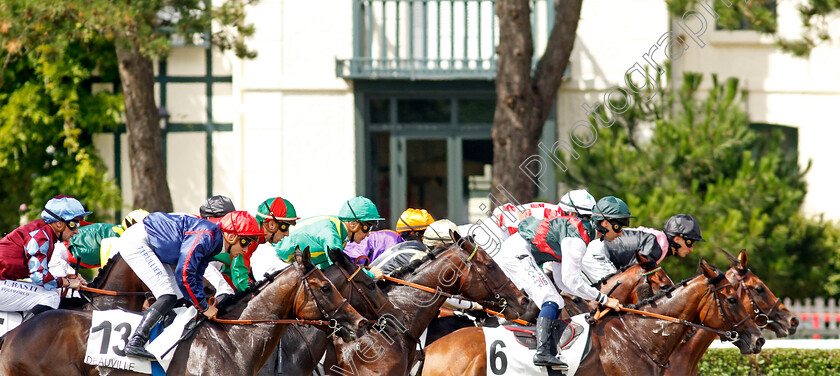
[(111, 293), (448, 295), (284, 321)]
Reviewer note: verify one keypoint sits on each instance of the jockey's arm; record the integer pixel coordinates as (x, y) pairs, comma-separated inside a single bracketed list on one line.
[(573, 251)]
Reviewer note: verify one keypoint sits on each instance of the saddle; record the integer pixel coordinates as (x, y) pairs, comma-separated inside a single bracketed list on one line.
[(525, 334)]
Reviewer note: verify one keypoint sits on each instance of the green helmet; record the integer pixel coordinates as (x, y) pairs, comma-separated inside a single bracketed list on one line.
[(611, 207), (359, 209)]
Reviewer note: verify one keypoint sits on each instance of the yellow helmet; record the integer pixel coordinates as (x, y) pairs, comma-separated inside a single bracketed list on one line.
[(134, 217), (414, 220)]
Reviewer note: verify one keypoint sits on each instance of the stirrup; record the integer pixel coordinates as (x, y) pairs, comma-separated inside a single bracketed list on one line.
[(548, 361), (564, 365)]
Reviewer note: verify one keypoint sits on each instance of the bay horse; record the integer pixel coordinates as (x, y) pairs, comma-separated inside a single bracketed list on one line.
[(625, 343), (299, 291), (116, 276), (763, 304), (462, 268), (302, 347), (637, 282)]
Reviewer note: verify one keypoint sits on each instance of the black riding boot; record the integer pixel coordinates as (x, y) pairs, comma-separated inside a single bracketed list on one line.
[(137, 342), (136, 345), (38, 308), (545, 355), (558, 327)]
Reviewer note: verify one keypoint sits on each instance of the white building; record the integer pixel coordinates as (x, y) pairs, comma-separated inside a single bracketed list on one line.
[(394, 100)]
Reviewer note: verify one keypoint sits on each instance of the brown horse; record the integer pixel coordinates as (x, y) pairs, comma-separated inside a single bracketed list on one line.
[(764, 305), (637, 281), (304, 346), (462, 268), (635, 345), (299, 291), (116, 276)]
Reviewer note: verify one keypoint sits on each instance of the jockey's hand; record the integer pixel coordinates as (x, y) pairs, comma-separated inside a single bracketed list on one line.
[(476, 307), (377, 272), (73, 283), (78, 277), (613, 304), (211, 312)]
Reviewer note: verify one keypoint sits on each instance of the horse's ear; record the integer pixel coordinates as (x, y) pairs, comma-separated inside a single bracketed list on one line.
[(641, 258), (742, 258), (298, 255), (302, 257), (708, 270), (331, 253), (456, 237)]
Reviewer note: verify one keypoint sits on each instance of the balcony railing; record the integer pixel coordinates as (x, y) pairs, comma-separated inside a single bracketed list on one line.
[(431, 39)]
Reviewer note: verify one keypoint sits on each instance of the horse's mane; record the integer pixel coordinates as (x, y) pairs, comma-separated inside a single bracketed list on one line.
[(669, 290), (646, 266), (412, 266), (103, 272), (245, 295)]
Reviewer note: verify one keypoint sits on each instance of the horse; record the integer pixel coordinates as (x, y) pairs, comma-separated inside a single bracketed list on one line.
[(462, 268), (634, 282), (618, 339), (300, 291), (303, 347), (767, 310), (116, 276)]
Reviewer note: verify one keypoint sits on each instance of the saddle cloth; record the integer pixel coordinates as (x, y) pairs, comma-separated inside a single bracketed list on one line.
[(110, 331), (510, 349)]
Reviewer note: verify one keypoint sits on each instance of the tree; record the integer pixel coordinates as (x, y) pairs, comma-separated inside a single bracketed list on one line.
[(139, 32), (691, 152), (525, 96), (48, 115)]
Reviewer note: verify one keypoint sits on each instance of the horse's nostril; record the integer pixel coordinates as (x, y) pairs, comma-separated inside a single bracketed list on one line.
[(525, 301), (759, 342), (794, 322), (362, 323)]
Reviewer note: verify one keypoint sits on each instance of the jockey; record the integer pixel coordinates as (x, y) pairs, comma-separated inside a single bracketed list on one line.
[(26, 252), (679, 237), (410, 227), (276, 216), (578, 203), (91, 247), (374, 245), (225, 274), (162, 241), (563, 240), (354, 222), (216, 207)]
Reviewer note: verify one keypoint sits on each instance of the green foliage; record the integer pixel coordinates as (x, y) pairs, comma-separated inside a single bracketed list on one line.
[(770, 362), (48, 116), (692, 151), (760, 15)]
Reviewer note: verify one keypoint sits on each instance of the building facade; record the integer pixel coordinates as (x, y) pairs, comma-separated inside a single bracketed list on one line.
[(394, 100)]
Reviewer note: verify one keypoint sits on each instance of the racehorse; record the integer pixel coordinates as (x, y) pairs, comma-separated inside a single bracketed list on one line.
[(303, 347), (116, 277), (625, 343), (635, 282), (767, 310), (300, 291), (462, 268)]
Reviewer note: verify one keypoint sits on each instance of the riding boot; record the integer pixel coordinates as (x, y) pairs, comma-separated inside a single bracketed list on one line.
[(136, 345), (558, 326), (545, 345)]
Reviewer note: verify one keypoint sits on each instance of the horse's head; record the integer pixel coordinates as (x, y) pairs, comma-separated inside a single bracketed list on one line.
[(731, 314), (320, 300), (485, 282), (638, 281), (768, 310), (361, 291)]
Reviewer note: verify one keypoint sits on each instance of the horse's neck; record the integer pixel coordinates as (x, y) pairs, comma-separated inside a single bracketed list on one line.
[(694, 349), (629, 279), (422, 307), (686, 304), (275, 301)]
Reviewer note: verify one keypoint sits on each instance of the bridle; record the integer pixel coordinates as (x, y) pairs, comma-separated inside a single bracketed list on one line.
[(760, 316), (326, 315), (351, 285), (497, 300), (731, 335)]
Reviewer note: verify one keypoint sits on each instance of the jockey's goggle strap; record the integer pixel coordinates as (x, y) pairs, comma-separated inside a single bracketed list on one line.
[(366, 226), (72, 224)]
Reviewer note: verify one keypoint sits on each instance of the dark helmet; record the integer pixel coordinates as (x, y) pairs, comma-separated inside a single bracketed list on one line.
[(683, 225), (216, 207)]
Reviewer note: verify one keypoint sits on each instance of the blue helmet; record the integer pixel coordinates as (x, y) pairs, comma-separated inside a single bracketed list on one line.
[(63, 208)]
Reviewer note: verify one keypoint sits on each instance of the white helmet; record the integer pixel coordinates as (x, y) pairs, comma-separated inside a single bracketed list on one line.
[(438, 233), (578, 201)]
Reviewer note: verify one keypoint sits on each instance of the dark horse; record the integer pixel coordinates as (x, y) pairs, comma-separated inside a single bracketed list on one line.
[(116, 276), (765, 306), (625, 343), (303, 346), (462, 268), (299, 291), (637, 281)]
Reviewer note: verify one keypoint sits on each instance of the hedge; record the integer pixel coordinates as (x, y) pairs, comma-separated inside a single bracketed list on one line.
[(770, 362)]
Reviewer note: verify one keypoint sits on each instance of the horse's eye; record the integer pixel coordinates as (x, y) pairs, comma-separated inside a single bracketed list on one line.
[(491, 266), (371, 286), (732, 300), (325, 289), (759, 289)]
